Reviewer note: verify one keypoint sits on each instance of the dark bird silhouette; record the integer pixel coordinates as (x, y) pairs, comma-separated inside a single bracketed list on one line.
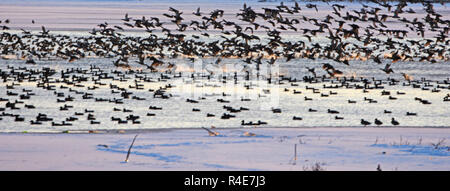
[(378, 122), (197, 13), (364, 122), (126, 19), (309, 5), (44, 31), (388, 69), (394, 122)]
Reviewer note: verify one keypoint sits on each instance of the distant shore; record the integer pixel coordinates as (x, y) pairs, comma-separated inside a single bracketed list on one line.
[(170, 129)]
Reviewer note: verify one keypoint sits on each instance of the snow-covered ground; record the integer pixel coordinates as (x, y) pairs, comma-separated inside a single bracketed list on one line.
[(193, 149), (332, 148)]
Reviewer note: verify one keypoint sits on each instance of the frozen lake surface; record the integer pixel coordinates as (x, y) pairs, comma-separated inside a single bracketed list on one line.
[(402, 149), (89, 110)]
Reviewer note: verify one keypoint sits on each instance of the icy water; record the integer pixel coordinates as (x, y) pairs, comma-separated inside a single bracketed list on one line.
[(262, 97), (258, 96)]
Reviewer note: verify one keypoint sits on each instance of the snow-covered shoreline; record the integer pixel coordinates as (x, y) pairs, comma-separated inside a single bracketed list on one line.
[(332, 149)]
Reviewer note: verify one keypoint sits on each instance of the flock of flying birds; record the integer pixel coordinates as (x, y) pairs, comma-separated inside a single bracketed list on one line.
[(254, 38), (347, 40)]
